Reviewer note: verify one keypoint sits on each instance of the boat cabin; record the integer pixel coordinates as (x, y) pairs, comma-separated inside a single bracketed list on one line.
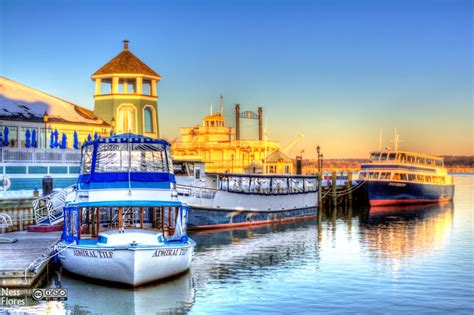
[(407, 158)]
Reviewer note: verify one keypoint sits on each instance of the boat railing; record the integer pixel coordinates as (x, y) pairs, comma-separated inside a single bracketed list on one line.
[(196, 191), (48, 210)]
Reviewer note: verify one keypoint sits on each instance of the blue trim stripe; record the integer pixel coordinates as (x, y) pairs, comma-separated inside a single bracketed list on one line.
[(127, 203), (123, 184)]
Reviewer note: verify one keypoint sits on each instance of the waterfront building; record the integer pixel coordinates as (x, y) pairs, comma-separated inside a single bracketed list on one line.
[(126, 94), (220, 147)]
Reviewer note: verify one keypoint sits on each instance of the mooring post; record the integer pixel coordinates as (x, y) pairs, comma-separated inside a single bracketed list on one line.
[(20, 220), (334, 189), (349, 181)]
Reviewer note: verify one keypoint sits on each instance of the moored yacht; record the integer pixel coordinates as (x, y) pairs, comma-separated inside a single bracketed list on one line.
[(219, 200), (401, 177), (118, 226)]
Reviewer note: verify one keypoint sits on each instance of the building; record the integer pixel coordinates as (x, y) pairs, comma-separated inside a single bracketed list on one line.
[(126, 94), (40, 134), (221, 148)]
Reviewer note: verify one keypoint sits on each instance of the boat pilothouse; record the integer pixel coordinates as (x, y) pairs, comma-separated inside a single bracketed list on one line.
[(219, 200), (401, 177), (126, 224)]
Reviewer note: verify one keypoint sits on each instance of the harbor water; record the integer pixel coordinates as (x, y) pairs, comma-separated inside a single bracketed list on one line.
[(412, 259)]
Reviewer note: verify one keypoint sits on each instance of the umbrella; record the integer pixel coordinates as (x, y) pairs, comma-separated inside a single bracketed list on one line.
[(6, 143), (56, 138), (64, 141), (89, 138), (27, 138), (96, 136), (76, 140), (1, 139), (51, 140), (34, 141)]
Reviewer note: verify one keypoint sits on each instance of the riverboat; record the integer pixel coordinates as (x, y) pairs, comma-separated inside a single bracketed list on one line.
[(125, 223), (220, 200), (401, 177)]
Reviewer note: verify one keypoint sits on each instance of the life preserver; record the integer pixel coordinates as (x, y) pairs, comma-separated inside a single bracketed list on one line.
[(6, 183)]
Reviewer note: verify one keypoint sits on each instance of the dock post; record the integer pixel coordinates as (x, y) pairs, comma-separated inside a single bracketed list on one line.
[(20, 220), (334, 189), (349, 181)]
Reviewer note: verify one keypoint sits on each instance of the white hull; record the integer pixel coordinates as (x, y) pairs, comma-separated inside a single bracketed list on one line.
[(129, 265)]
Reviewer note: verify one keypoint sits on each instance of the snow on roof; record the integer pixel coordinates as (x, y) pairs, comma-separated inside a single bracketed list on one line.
[(21, 102)]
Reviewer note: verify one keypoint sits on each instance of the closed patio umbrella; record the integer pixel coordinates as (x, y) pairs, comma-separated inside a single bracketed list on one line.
[(27, 138)]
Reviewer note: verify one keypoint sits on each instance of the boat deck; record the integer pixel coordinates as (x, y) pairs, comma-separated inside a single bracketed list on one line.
[(21, 262)]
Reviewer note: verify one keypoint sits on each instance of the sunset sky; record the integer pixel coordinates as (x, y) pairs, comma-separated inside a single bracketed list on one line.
[(336, 71)]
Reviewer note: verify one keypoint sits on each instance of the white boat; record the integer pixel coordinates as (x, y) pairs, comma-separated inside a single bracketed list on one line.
[(231, 200), (126, 204)]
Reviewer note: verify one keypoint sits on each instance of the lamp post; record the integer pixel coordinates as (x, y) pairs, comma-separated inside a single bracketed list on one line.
[(45, 120), (113, 125), (320, 164), (232, 165)]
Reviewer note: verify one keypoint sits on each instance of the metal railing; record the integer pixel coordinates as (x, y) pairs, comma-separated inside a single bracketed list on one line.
[(196, 192), (48, 210), (14, 155)]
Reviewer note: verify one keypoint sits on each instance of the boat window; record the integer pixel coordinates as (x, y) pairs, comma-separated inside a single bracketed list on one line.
[(396, 176), (412, 177), (260, 185), (87, 159), (179, 168), (402, 157), (239, 184), (403, 176), (375, 156), (385, 175), (429, 161), (224, 183), (74, 223), (310, 184), (420, 178), (392, 156), (383, 156), (428, 179), (170, 159), (420, 160), (439, 163), (411, 159), (362, 175), (114, 157), (279, 185), (373, 175), (296, 185)]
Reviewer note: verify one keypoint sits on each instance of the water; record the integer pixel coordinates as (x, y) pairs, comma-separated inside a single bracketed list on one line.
[(412, 260)]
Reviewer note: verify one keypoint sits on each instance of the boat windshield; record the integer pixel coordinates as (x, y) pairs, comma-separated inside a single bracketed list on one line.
[(124, 157)]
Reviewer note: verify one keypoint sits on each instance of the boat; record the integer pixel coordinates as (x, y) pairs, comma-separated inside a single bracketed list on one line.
[(402, 177), (126, 223), (221, 200)]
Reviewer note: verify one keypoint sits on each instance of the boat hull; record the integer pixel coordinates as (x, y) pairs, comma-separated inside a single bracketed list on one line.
[(383, 193), (211, 218), (132, 266)]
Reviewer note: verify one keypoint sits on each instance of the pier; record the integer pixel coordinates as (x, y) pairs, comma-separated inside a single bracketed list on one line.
[(24, 264)]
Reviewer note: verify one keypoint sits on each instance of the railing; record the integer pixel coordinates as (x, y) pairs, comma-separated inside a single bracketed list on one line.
[(196, 192), (48, 210), (10, 155)]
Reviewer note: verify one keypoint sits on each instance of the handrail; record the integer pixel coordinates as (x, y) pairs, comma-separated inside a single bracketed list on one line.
[(49, 209)]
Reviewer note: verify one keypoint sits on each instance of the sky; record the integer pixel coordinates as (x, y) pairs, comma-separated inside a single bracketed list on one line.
[(336, 71)]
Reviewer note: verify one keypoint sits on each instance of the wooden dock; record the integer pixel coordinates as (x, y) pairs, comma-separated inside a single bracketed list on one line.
[(22, 263)]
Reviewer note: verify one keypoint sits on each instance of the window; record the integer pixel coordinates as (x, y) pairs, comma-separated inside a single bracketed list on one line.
[(392, 156), (105, 86), (420, 178), (428, 179), (146, 90), (383, 157), (87, 159), (375, 156), (126, 119), (362, 175), (439, 163), (148, 119), (403, 176), (396, 176), (412, 177), (279, 186), (310, 184)]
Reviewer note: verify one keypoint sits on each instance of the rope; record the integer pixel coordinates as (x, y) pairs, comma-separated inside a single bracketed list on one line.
[(46, 259), (345, 192)]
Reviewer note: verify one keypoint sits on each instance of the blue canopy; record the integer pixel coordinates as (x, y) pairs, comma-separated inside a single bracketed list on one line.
[(34, 140), (64, 141), (27, 138), (6, 143), (76, 140)]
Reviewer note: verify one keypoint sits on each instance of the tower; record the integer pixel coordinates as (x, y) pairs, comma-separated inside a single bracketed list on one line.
[(126, 94)]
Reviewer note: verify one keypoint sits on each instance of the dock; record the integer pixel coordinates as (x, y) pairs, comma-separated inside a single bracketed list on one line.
[(24, 263)]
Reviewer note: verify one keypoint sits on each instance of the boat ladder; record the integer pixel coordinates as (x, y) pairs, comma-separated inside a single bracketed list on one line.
[(48, 210)]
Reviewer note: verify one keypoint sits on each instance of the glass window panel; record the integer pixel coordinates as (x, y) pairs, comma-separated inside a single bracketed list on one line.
[(86, 164), (148, 120), (279, 185)]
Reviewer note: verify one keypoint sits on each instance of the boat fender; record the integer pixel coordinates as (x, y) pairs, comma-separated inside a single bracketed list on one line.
[(6, 183)]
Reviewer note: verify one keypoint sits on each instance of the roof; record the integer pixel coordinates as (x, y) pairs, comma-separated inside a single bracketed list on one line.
[(21, 102), (278, 156), (126, 62)]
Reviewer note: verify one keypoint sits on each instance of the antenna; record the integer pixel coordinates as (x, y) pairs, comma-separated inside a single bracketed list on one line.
[(211, 105), (221, 110), (396, 141)]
